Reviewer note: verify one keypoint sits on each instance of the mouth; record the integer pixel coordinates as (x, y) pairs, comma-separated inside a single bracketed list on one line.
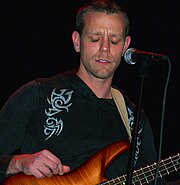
[(103, 61)]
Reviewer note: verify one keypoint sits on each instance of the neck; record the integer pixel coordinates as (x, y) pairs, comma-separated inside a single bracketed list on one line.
[(100, 87)]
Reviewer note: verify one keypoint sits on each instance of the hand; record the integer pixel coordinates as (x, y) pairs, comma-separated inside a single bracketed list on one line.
[(40, 164)]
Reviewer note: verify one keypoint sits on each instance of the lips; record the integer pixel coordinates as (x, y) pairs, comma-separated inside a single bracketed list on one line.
[(103, 60)]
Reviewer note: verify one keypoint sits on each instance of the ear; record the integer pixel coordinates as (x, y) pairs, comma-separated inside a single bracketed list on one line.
[(76, 41), (127, 43)]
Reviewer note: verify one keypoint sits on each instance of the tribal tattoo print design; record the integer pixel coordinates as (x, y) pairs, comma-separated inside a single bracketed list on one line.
[(58, 102), (131, 122)]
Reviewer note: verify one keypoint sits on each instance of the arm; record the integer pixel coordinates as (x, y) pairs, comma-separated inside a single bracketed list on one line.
[(39, 164), (20, 110), (13, 122)]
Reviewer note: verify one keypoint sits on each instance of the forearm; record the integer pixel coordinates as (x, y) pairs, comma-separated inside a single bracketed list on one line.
[(4, 163), (13, 167)]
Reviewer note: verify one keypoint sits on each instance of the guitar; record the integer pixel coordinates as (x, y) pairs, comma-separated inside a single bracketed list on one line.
[(93, 170)]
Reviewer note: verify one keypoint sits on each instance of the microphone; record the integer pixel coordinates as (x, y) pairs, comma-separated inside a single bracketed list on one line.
[(131, 56)]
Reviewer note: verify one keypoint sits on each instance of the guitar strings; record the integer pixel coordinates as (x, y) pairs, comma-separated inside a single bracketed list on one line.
[(141, 175)]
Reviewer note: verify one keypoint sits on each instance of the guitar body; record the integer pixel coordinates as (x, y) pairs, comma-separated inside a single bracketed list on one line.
[(90, 173)]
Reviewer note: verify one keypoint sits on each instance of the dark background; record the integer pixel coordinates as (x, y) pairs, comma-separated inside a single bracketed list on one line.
[(36, 42)]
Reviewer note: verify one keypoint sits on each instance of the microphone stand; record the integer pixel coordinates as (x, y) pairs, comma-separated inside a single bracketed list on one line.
[(143, 70)]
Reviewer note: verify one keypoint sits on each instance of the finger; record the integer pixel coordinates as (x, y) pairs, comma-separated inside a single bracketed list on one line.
[(54, 168), (50, 167), (66, 168), (40, 169), (38, 174), (52, 162)]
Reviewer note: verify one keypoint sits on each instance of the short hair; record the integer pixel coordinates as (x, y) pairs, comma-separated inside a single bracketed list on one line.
[(102, 6)]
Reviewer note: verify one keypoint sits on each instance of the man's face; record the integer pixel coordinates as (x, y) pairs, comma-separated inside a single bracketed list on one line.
[(101, 45)]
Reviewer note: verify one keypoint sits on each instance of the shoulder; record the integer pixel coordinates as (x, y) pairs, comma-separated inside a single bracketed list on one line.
[(127, 100), (33, 90), (131, 106), (56, 80)]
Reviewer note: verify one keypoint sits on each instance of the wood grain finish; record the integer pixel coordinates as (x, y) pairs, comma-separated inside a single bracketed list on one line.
[(90, 173)]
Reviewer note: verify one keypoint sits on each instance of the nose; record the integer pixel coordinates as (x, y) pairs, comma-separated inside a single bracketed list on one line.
[(105, 45)]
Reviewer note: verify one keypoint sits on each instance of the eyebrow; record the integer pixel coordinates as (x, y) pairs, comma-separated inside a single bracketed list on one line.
[(99, 34)]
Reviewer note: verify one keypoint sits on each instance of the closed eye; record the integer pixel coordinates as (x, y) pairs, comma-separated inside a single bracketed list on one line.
[(114, 42), (94, 40)]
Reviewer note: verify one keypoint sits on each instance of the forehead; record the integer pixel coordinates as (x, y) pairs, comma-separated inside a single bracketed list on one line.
[(95, 21)]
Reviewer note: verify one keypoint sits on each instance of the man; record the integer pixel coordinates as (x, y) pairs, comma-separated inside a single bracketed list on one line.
[(57, 123)]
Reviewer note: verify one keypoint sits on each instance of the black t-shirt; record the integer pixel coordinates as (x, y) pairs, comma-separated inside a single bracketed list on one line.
[(62, 114)]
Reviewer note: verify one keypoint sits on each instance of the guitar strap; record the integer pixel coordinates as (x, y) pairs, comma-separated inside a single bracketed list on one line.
[(120, 103)]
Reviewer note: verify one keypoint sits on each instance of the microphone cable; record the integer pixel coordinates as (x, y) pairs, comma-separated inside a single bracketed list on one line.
[(162, 122)]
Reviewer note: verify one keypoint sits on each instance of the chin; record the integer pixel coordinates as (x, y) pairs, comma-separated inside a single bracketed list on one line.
[(103, 75)]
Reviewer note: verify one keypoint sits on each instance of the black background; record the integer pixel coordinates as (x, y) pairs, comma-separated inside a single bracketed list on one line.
[(36, 42)]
